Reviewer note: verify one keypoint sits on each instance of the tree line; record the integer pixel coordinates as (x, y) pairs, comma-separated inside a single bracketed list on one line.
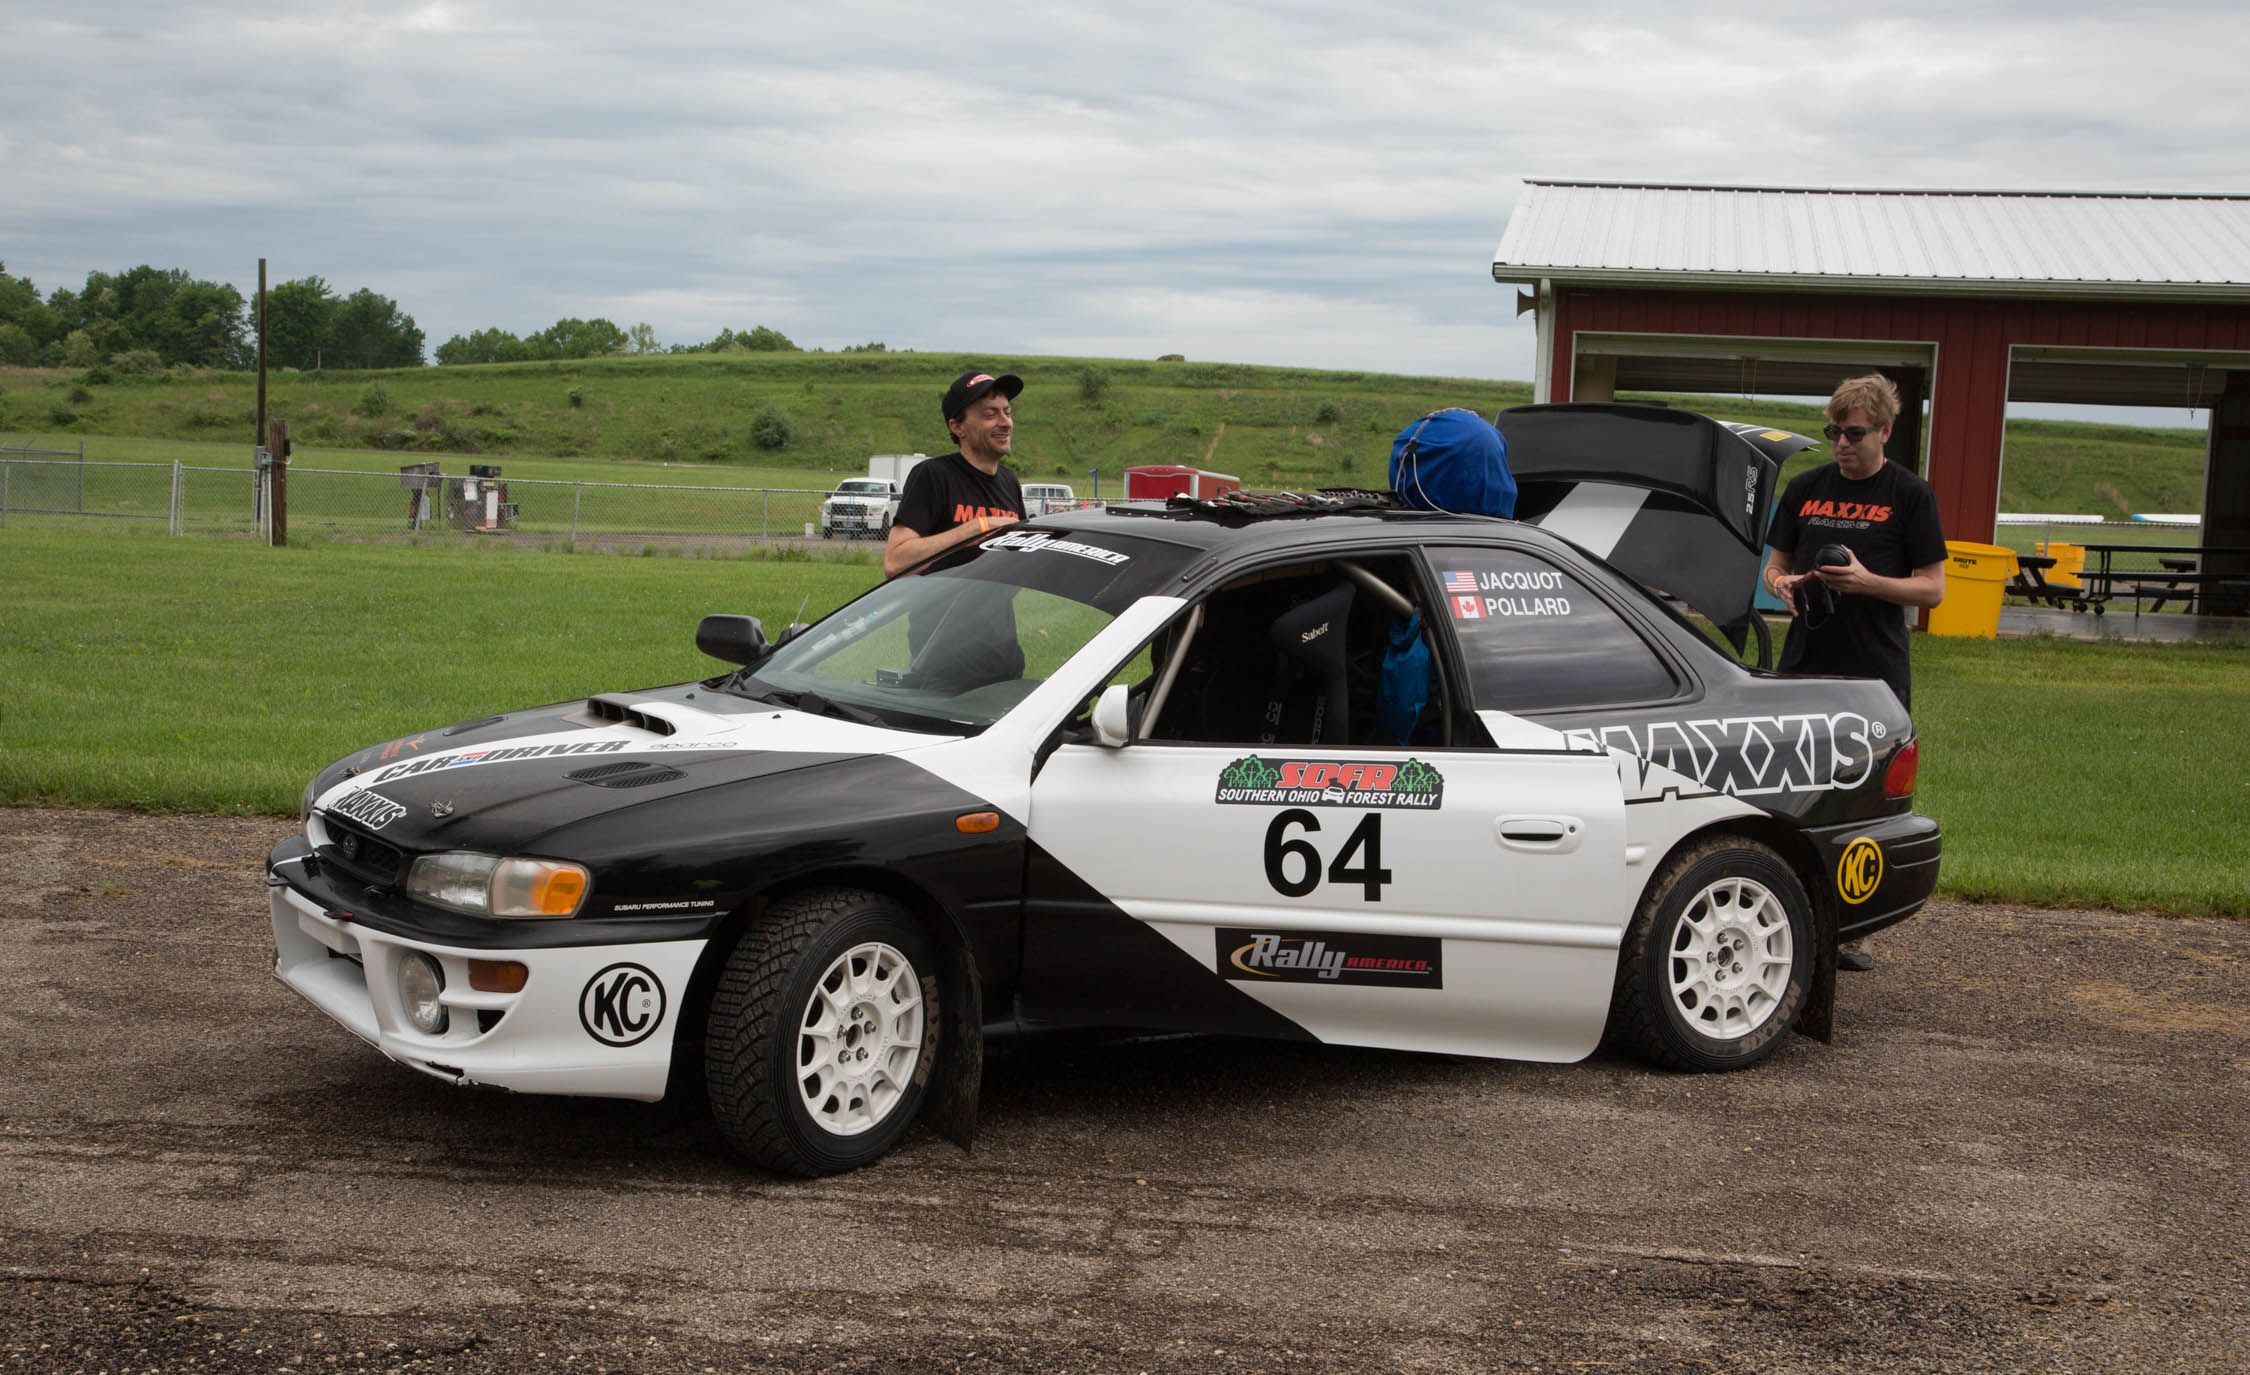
[(148, 318), (162, 317)]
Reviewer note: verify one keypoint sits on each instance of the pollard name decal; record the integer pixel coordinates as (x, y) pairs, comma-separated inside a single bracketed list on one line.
[(1261, 782)]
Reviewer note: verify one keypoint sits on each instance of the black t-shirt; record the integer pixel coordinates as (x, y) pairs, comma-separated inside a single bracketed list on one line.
[(1890, 521), (948, 491)]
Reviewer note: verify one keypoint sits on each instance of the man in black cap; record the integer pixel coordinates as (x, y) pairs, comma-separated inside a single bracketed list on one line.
[(959, 496)]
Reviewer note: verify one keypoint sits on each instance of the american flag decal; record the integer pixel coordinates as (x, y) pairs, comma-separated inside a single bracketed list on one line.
[(1456, 580)]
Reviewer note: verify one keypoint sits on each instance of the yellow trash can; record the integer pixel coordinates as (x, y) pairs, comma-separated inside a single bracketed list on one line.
[(2070, 561), (1974, 577)]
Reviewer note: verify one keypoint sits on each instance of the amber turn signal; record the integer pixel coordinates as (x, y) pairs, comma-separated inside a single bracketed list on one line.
[(498, 976), (976, 823)]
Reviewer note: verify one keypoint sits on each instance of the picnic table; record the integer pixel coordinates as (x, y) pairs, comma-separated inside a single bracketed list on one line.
[(2178, 576), (2031, 582)]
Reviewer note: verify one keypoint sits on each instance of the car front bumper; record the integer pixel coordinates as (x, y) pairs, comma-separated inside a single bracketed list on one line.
[(594, 1021)]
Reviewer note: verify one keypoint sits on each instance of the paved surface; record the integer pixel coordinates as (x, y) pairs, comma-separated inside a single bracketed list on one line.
[(2025, 1151)]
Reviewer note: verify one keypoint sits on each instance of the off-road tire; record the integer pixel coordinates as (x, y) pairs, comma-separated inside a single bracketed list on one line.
[(756, 1037), (1669, 1007)]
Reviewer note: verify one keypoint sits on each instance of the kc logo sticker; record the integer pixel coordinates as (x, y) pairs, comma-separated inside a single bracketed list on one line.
[(622, 1006), (1860, 872)]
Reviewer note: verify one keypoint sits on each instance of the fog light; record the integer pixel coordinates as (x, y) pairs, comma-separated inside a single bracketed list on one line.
[(420, 982)]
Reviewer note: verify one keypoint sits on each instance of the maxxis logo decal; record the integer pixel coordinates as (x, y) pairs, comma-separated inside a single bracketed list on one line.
[(1860, 872), (372, 810), (622, 1006)]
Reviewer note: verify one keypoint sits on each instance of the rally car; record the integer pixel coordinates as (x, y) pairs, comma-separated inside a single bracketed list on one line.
[(1316, 768)]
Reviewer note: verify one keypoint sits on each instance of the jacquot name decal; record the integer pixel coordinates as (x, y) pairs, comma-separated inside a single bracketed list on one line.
[(1331, 957), (1753, 755), (1256, 781), (498, 755)]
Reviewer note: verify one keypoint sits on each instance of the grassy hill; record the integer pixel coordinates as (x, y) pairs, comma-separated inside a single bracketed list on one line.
[(1269, 426)]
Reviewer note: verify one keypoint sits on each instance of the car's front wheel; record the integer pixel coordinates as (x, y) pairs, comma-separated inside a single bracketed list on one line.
[(822, 1033), (1718, 961)]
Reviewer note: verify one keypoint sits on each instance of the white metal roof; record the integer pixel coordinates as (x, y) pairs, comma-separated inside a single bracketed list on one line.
[(2042, 243)]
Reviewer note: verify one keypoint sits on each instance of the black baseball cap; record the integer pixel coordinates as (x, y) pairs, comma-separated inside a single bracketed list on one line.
[(971, 387)]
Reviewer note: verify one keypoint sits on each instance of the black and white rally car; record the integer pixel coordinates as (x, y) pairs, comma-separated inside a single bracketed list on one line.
[(1322, 769)]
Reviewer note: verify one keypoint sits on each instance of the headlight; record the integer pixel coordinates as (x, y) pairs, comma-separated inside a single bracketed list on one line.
[(420, 984), (488, 886)]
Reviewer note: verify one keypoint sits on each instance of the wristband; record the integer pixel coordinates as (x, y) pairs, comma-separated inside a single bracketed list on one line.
[(982, 524)]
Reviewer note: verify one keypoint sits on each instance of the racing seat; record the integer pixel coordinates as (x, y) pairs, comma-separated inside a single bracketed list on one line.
[(1313, 637)]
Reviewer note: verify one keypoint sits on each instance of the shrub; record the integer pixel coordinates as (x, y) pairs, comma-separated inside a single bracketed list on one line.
[(79, 396), (577, 397), (63, 416), (1093, 384), (771, 429), (1328, 414), (137, 363), (96, 376), (78, 350), (373, 401)]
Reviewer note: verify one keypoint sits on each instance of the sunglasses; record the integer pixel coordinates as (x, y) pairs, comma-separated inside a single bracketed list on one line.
[(1854, 433)]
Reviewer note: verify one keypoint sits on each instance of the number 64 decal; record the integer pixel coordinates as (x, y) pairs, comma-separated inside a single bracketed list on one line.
[(1293, 863)]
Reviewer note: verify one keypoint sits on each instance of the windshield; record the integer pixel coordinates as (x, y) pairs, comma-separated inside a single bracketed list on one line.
[(864, 486), (953, 648)]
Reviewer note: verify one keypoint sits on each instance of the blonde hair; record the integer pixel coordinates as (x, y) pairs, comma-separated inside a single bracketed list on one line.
[(1875, 394)]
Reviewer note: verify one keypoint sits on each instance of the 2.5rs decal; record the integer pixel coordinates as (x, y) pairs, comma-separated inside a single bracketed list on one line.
[(1860, 872), (622, 1006), (1294, 864)]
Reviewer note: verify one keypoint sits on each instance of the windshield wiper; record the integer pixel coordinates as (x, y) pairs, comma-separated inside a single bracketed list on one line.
[(814, 704)]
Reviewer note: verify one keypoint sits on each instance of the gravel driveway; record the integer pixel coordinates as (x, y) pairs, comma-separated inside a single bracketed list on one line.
[(2027, 1150)]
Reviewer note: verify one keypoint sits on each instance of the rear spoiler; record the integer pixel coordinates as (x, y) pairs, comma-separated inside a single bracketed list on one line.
[(1674, 500)]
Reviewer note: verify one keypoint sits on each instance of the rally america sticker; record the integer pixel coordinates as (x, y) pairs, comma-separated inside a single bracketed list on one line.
[(1261, 782), (1331, 957)]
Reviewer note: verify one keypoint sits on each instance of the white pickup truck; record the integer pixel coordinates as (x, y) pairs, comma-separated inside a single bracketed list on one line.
[(1046, 498), (860, 508)]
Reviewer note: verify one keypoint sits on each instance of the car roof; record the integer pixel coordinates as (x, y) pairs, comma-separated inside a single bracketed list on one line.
[(1236, 533)]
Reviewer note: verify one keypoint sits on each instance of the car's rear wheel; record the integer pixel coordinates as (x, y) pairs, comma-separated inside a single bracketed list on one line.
[(821, 1036), (1718, 961)]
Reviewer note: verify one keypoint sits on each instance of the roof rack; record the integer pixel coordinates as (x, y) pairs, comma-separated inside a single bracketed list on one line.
[(1237, 507)]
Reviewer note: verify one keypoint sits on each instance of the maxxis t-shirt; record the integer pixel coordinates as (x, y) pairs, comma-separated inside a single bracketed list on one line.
[(1890, 521), (948, 491)]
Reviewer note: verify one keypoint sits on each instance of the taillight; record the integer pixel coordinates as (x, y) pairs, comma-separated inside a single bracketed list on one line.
[(1898, 779)]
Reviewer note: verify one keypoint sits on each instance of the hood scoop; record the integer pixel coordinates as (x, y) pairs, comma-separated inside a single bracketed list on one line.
[(625, 773), (623, 712)]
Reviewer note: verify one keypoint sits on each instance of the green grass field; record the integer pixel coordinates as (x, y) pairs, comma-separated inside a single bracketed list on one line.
[(216, 675), (1288, 427)]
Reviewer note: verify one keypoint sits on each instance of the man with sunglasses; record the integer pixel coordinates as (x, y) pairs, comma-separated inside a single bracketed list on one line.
[(1884, 521)]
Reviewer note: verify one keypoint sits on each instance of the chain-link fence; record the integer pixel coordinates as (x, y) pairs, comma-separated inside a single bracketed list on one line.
[(362, 505)]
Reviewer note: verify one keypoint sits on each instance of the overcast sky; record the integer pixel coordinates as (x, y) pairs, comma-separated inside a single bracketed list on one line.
[(1296, 183)]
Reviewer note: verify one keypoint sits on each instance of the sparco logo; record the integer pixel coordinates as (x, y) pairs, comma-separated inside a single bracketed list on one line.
[(622, 1006), (372, 810)]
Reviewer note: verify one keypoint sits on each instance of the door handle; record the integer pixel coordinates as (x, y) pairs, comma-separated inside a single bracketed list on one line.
[(1545, 835)]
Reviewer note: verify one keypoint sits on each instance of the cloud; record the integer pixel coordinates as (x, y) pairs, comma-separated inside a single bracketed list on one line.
[(1302, 183)]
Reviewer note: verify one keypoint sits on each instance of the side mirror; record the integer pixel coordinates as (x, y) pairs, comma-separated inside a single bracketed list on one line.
[(1113, 711), (736, 639)]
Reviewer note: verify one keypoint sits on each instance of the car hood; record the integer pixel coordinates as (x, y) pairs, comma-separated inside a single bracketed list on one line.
[(1673, 500), (500, 784)]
